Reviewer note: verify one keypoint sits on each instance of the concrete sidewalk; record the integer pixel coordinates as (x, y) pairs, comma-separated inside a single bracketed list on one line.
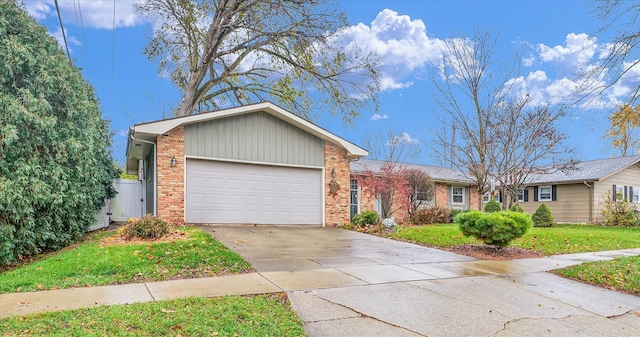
[(17, 304), (379, 287)]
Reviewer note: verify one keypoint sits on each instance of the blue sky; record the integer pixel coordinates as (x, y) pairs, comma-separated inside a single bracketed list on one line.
[(558, 37)]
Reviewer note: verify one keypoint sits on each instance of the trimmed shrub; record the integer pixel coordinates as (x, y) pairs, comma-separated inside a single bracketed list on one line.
[(55, 165), (542, 217), (433, 215), (516, 208), (492, 206), (148, 227), (365, 218), (453, 213), (496, 229)]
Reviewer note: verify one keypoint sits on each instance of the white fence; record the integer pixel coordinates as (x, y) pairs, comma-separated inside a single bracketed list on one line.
[(128, 203)]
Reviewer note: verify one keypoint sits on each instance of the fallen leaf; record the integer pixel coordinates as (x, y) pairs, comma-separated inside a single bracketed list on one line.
[(637, 313), (39, 268), (87, 285), (167, 310), (54, 288), (25, 302), (19, 289), (40, 286), (539, 305)]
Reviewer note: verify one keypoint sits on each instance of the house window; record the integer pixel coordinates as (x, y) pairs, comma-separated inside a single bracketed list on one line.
[(544, 193), (354, 198), (635, 194), (486, 197), (619, 193), (457, 194), (521, 195)]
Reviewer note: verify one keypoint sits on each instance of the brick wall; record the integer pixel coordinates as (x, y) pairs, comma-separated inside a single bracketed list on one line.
[(441, 194), (171, 179), (336, 204)]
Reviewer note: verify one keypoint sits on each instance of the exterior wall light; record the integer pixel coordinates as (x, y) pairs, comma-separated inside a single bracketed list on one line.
[(173, 161)]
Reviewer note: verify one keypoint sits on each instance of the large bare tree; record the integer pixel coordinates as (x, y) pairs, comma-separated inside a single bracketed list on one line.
[(397, 147), (622, 62), (233, 52), (471, 86), (523, 138), (499, 138)]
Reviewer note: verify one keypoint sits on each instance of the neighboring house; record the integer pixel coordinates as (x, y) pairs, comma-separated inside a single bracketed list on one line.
[(452, 190), (576, 195), (255, 164)]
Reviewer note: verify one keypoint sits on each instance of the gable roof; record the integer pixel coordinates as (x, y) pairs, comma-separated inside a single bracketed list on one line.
[(142, 135), (436, 173), (591, 170)]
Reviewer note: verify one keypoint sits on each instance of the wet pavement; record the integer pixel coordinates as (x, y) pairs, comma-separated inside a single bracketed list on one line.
[(344, 283)]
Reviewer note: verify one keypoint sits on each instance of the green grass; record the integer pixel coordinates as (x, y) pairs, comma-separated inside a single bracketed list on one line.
[(91, 263), (260, 315), (560, 239), (622, 274)]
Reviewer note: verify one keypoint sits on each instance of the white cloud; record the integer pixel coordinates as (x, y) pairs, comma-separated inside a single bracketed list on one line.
[(376, 117), (401, 43), (90, 13), (577, 53), (528, 61), (403, 138), (71, 41)]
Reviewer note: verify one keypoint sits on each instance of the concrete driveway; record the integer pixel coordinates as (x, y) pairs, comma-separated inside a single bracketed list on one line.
[(343, 283)]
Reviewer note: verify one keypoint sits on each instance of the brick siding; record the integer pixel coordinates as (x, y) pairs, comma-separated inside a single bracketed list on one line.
[(171, 179), (336, 204)]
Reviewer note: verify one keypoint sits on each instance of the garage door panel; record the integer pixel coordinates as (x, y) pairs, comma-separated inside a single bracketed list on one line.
[(223, 192)]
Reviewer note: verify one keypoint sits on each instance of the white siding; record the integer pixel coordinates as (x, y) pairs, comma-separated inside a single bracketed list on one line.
[(236, 193)]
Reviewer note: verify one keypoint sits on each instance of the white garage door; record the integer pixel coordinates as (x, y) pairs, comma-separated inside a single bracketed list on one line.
[(234, 193)]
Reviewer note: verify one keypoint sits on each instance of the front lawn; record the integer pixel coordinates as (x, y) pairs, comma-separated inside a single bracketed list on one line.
[(559, 239), (102, 260), (622, 274), (260, 315)]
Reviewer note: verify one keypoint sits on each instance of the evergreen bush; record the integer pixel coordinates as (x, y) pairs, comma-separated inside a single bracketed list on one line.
[(496, 229), (542, 217), (55, 165), (492, 206), (365, 218), (516, 208)]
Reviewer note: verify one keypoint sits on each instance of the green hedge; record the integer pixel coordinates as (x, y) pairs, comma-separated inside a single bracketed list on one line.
[(496, 228), (55, 164)]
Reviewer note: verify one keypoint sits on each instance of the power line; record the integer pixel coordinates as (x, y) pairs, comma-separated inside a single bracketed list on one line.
[(84, 37), (64, 37), (113, 50), (46, 15)]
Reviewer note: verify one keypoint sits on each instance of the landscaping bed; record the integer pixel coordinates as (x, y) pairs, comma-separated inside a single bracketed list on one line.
[(105, 257)]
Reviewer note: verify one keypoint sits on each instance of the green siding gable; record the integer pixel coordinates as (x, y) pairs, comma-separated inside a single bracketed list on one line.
[(254, 137)]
